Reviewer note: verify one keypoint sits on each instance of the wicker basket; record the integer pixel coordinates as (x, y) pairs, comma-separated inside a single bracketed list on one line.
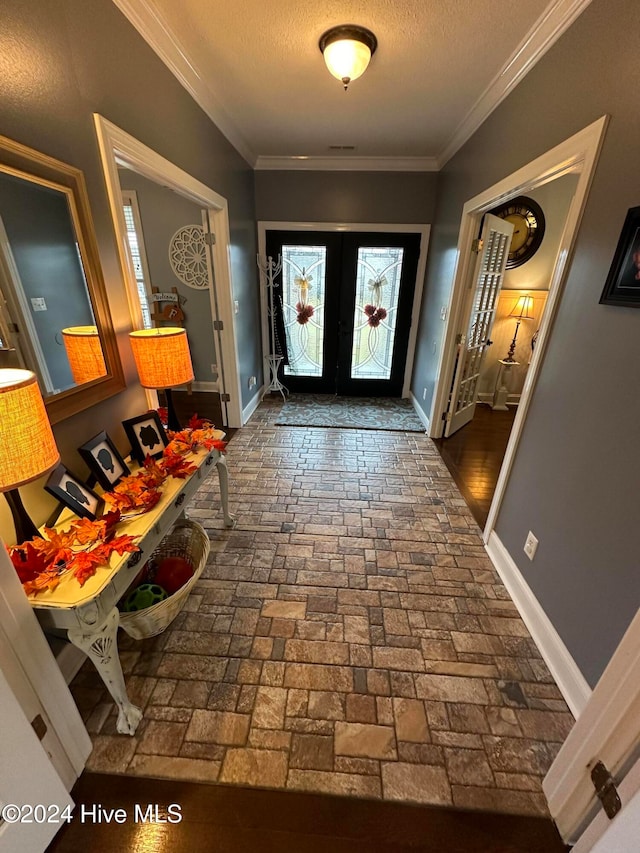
[(187, 539)]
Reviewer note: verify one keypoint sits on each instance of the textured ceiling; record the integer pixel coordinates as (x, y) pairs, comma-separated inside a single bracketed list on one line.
[(260, 59)]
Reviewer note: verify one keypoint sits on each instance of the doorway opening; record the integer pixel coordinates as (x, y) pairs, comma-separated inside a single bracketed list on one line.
[(508, 306), (352, 296), (346, 303), (211, 305), (574, 162)]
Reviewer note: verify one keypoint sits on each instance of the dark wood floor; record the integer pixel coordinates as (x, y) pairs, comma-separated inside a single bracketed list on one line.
[(229, 819), (474, 456)]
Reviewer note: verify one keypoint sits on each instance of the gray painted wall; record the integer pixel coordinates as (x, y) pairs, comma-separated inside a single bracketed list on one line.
[(577, 469), (300, 196), (43, 244), (162, 213), (63, 60)]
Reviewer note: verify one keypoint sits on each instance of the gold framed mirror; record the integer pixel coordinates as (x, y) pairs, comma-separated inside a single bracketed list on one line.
[(54, 311)]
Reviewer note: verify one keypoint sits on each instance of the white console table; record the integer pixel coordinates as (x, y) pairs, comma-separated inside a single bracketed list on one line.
[(89, 614)]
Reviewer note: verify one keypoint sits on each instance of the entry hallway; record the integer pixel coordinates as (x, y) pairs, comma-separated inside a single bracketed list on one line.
[(349, 636)]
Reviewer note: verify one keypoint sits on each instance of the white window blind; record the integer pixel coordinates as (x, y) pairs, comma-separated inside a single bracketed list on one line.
[(136, 248)]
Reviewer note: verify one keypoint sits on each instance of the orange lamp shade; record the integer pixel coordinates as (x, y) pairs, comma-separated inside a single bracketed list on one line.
[(162, 357), (523, 309), (27, 446), (84, 352)]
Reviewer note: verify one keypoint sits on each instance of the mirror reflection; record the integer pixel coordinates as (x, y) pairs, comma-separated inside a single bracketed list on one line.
[(47, 323)]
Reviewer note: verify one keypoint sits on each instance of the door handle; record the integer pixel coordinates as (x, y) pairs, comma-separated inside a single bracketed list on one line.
[(488, 343)]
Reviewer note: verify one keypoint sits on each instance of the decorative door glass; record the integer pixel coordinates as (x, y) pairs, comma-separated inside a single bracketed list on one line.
[(303, 297), (374, 325)]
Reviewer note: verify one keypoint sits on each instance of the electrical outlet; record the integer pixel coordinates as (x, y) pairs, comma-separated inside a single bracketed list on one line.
[(236, 306), (252, 381), (424, 393), (434, 346), (214, 368), (443, 312), (531, 546), (38, 304)]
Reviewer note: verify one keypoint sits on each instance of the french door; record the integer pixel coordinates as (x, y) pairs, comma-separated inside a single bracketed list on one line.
[(488, 277), (346, 302)]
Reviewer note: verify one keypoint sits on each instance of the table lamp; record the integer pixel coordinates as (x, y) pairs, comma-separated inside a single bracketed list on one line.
[(163, 360), (84, 352), (522, 310), (27, 446)]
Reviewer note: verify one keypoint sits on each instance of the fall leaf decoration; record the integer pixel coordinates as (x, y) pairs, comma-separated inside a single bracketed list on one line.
[(176, 465), (86, 545), (80, 549), (199, 433)]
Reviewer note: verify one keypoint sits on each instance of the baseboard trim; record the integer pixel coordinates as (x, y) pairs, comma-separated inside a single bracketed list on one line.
[(562, 666), (419, 411), (252, 405), (485, 397)]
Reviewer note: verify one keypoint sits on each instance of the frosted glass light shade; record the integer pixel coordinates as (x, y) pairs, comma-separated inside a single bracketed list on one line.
[(27, 446), (347, 59), (347, 51), (162, 357), (84, 352)]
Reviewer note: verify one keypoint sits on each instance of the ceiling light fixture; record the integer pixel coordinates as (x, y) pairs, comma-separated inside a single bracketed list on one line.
[(347, 51)]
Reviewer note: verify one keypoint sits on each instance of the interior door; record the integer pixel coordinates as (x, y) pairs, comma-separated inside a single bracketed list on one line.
[(347, 300), (472, 343), (27, 778), (607, 731)]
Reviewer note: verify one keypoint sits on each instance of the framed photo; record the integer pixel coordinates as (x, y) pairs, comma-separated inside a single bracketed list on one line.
[(623, 281), (73, 493), (146, 435), (104, 461)]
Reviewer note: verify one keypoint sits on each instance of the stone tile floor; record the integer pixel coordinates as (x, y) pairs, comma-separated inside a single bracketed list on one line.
[(349, 636)]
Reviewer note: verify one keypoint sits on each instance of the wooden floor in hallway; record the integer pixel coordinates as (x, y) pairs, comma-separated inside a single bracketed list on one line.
[(349, 637), (230, 819), (474, 455)]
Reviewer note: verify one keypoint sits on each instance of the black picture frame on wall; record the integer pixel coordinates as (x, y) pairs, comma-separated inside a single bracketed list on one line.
[(73, 493), (623, 282), (104, 460), (146, 435)]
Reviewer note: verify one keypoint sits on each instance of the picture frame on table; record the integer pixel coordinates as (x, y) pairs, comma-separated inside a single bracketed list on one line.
[(146, 435), (623, 282), (73, 493), (104, 461)]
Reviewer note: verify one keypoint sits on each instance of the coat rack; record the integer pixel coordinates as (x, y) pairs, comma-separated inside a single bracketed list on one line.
[(270, 269)]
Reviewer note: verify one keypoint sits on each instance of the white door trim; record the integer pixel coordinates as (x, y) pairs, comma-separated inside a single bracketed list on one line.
[(607, 730), (578, 154), (424, 232), (25, 641), (117, 147)]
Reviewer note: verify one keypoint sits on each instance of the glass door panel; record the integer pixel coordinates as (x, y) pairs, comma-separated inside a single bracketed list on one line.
[(304, 281), (374, 325)]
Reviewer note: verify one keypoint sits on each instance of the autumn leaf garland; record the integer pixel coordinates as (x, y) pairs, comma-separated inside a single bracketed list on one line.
[(86, 545), (80, 549)]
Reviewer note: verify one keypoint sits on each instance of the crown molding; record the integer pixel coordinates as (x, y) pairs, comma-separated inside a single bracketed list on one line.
[(347, 164), (549, 27), (159, 36), (554, 21)]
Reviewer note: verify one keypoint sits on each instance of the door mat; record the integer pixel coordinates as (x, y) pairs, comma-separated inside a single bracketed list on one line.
[(326, 410)]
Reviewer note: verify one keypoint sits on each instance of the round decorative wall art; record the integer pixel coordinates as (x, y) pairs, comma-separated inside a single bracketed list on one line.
[(187, 256)]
